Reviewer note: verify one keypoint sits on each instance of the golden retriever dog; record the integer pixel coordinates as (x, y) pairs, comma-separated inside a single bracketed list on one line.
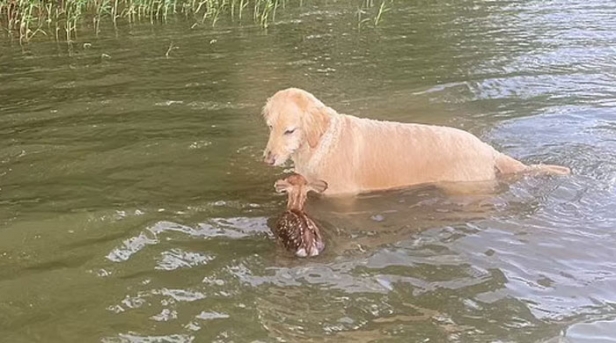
[(357, 155)]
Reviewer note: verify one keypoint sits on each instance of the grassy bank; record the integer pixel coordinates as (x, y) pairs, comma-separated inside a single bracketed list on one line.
[(25, 19)]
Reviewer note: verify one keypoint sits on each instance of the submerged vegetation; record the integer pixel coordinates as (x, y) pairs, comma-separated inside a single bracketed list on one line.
[(61, 18)]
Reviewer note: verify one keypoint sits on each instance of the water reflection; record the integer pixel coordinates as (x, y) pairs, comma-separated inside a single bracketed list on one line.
[(382, 272)]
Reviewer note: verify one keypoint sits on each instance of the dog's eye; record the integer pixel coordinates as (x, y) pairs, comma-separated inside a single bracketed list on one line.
[(270, 127), (288, 132)]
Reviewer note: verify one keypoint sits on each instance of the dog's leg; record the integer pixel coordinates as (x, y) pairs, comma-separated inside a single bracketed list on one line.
[(489, 187), (337, 205)]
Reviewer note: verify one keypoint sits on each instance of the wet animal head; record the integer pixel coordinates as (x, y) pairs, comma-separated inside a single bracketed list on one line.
[(296, 120), (297, 188)]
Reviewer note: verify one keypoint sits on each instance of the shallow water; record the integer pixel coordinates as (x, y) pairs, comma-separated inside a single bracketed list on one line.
[(134, 205)]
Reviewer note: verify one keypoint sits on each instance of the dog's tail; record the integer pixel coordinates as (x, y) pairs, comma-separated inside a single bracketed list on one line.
[(549, 169), (508, 165)]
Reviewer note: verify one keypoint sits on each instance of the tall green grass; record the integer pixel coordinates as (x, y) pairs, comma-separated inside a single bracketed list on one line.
[(61, 18), (27, 18)]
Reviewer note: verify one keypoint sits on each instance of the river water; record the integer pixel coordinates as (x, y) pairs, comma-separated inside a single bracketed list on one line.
[(134, 206)]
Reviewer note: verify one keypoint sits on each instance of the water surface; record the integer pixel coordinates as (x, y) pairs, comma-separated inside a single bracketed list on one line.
[(134, 206)]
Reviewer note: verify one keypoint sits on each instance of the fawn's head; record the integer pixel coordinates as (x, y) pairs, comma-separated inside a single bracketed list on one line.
[(297, 188)]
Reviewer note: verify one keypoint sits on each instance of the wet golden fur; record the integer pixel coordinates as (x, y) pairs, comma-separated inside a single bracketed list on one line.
[(355, 155)]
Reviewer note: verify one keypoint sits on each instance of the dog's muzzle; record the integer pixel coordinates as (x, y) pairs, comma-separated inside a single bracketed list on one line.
[(269, 158)]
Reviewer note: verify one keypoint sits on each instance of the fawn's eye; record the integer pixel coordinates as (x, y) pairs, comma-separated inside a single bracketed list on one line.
[(290, 131)]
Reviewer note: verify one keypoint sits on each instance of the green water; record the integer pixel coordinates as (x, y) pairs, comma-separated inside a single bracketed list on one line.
[(134, 205)]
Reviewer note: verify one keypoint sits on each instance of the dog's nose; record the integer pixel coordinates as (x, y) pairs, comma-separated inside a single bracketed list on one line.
[(269, 158)]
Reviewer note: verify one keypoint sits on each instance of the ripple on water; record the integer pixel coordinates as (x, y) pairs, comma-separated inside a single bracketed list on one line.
[(135, 338), (232, 228), (177, 258)]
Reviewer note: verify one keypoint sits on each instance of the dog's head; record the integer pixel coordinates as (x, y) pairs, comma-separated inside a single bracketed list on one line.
[(295, 118)]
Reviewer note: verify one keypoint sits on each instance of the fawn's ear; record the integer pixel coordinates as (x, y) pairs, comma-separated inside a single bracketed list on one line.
[(318, 186), (282, 186)]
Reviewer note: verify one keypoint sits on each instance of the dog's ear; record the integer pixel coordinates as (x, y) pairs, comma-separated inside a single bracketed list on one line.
[(318, 186), (266, 108), (282, 186), (315, 123), (314, 116)]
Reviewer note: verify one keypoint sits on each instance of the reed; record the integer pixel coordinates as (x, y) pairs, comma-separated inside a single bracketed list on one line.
[(62, 18), (365, 13)]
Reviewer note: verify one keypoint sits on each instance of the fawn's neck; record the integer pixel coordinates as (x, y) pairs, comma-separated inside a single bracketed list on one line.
[(296, 201)]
